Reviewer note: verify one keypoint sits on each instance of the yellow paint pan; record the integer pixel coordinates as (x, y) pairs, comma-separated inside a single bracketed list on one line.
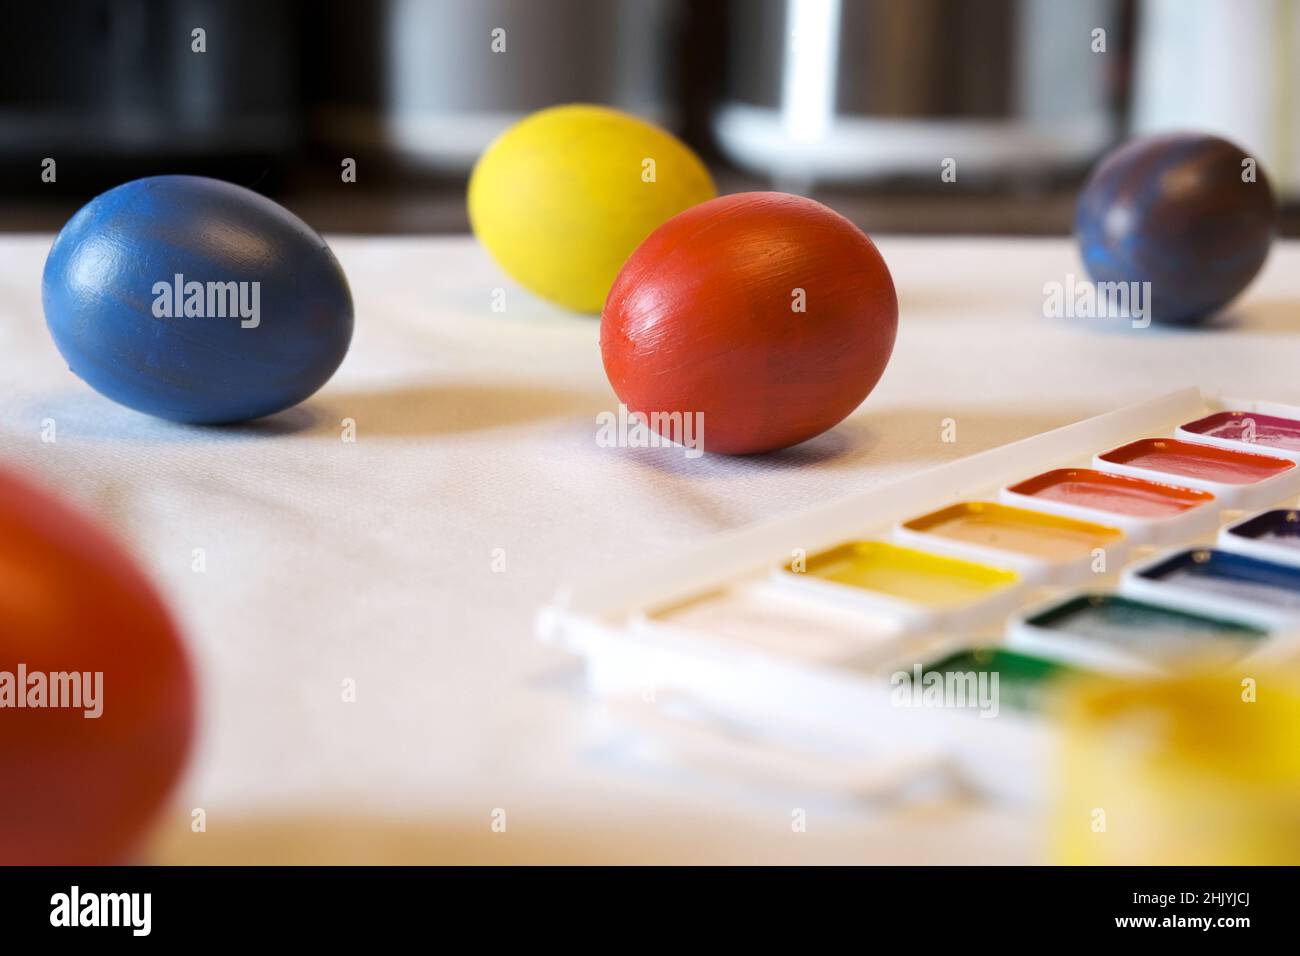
[(915, 587)]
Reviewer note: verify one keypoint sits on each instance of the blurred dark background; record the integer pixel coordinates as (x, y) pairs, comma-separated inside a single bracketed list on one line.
[(857, 102)]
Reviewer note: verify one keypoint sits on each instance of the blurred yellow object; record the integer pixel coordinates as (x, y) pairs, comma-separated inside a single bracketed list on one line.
[(563, 197), (1193, 770)]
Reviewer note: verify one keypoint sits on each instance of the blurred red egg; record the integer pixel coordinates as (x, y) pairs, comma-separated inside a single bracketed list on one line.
[(78, 788), (767, 316)]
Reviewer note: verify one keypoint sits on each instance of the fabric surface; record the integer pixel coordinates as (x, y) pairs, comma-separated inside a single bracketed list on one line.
[(381, 560)]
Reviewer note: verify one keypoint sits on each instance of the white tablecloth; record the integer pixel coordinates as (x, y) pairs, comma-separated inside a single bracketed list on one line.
[(373, 561)]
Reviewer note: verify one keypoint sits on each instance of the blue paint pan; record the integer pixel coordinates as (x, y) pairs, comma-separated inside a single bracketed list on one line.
[(1215, 581)]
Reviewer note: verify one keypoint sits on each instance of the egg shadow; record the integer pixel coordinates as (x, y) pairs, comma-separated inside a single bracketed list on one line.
[(1268, 317), (89, 415), (407, 411), (893, 435), (446, 409), (1265, 316), (830, 446), (291, 421)]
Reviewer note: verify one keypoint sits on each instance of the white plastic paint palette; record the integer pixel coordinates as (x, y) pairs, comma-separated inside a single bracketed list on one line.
[(805, 645)]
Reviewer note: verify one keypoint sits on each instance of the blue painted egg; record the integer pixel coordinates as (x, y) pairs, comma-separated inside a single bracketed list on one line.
[(196, 300), (1189, 213)]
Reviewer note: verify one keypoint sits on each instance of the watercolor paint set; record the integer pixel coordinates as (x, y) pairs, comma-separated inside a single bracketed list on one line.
[(923, 625)]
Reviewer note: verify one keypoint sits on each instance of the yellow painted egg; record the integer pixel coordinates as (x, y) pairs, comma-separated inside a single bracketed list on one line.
[(1194, 770), (564, 196)]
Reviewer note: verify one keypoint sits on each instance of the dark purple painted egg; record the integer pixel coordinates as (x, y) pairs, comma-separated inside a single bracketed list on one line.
[(1192, 214)]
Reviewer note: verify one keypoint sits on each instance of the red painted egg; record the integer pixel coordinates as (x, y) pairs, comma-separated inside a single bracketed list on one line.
[(106, 716), (767, 317)]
